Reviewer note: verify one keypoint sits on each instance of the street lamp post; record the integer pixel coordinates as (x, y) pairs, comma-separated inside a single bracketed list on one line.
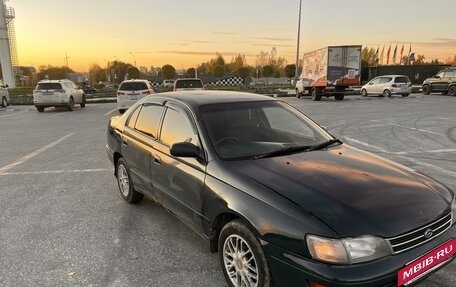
[(297, 44), (134, 58)]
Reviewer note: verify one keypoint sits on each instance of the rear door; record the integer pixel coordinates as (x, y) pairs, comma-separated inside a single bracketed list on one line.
[(440, 83)]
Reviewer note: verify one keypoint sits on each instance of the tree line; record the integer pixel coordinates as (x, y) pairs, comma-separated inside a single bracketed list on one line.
[(267, 64)]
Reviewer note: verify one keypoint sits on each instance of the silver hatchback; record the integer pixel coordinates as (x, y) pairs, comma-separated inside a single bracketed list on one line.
[(388, 85)]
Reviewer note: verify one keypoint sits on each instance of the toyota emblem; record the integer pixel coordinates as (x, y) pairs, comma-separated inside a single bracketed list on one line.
[(428, 233)]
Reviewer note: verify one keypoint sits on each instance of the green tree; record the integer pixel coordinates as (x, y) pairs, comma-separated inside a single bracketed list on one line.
[(120, 70), (191, 73), (236, 64), (168, 72), (53, 73), (218, 71), (369, 56), (420, 59), (97, 74), (244, 72), (268, 71), (290, 70)]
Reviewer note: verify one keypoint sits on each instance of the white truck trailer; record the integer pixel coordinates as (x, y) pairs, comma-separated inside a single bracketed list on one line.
[(329, 71)]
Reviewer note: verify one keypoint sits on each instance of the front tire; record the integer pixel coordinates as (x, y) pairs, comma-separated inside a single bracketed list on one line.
[(364, 92), (4, 102), (128, 193), (298, 94), (339, 97), (452, 91), (426, 90), (40, 109), (242, 257), (316, 96), (405, 95), (83, 102)]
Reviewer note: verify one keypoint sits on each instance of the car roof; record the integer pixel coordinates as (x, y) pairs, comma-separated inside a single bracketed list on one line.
[(188, 79), (53, 81), (198, 98), (135, 80), (392, 76)]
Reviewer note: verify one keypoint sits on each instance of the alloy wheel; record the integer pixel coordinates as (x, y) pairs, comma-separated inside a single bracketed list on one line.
[(122, 178), (240, 263)]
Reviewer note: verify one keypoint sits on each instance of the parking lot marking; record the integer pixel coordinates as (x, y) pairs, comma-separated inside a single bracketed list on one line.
[(58, 114), (366, 145), (11, 115), (442, 170), (111, 111), (405, 127), (25, 158), (58, 171)]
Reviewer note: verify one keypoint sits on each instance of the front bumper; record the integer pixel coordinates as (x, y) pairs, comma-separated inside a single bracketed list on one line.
[(291, 270)]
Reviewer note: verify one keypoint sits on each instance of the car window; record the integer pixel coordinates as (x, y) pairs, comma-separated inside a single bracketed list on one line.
[(148, 119), (188, 84), (385, 80), (133, 86), (375, 81), (177, 128), (402, 80), (450, 74), (48, 86), (440, 74), (134, 116), (283, 121)]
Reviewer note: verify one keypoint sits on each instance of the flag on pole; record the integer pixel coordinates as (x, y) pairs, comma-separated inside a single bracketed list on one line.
[(394, 55), (376, 56), (382, 54), (388, 55), (402, 53), (409, 54)]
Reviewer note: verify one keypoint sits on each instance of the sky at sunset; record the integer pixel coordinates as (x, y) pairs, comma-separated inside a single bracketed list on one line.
[(187, 33)]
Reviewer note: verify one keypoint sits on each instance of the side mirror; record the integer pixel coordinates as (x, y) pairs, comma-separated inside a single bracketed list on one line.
[(184, 149), (371, 83)]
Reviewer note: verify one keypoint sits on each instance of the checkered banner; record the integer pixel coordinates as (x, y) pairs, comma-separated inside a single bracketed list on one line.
[(233, 81)]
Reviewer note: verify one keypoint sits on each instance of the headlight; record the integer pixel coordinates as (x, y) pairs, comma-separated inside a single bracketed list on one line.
[(347, 250)]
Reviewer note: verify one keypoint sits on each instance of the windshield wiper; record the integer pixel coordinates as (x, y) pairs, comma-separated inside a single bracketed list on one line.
[(325, 144), (283, 151), (295, 149)]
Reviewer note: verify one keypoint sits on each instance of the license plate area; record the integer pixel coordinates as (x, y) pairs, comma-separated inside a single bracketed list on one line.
[(426, 263)]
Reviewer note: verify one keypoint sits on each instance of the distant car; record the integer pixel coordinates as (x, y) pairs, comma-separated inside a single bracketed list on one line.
[(282, 201), (88, 89), (388, 85), (57, 93), (444, 82), (186, 84), (130, 91), (168, 83), (4, 95)]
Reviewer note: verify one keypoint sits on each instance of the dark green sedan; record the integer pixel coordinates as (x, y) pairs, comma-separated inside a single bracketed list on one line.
[(282, 201)]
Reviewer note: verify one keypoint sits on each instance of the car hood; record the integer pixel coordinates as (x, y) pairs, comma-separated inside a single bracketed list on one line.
[(353, 192)]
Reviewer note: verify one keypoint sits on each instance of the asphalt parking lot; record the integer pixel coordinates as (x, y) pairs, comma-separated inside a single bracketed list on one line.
[(63, 222)]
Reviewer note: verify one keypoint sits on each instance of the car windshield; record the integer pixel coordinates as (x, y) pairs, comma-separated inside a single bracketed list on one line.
[(251, 130), (188, 84), (49, 86), (133, 86)]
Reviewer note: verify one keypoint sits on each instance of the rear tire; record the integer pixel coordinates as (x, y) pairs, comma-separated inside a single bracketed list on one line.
[(316, 96), (40, 109), (452, 91), (387, 93), (405, 95), (70, 105), (83, 102), (339, 97), (128, 193), (426, 90), (242, 257)]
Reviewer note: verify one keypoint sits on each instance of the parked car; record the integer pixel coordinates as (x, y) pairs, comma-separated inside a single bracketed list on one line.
[(130, 91), (57, 93), (88, 89), (282, 201), (444, 82), (168, 83), (4, 95), (388, 85), (187, 84)]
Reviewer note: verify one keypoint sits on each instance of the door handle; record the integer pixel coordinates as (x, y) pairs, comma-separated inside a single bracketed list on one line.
[(157, 159)]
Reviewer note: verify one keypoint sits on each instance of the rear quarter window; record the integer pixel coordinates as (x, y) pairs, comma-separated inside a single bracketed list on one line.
[(133, 86), (402, 80), (49, 86)]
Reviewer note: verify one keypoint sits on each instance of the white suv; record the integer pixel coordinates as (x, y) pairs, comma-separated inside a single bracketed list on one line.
[(4, 95), (388, 85), (57, 93), (130, 91)]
